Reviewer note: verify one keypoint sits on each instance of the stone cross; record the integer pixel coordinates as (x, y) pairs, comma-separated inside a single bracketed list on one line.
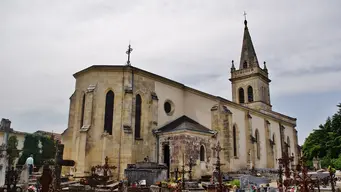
[(128, 52), (183, 171), (218, 148), (285, 162), (105, 169), (190, 164), (244, 15), (176, 174)]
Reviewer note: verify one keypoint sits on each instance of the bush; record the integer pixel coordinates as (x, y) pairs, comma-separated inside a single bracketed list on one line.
[(30, 147), (235, 182)]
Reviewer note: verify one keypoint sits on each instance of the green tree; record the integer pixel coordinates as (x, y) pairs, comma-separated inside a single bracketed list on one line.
[(12, 150), (48, 148), (31, 146), (325, 142)]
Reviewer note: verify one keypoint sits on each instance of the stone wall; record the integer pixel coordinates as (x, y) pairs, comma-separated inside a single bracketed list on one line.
[(184, 145), (88, 144)]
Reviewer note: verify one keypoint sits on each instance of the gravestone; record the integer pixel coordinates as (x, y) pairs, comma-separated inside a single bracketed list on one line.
[(247, 180), (150, 171)]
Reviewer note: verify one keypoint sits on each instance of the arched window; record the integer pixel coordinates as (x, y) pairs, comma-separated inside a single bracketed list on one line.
[(288, 146), (273, 138), (257, 143), (202, 153), (234, 141), (138, 108), (244, 65), (250, 94), (83, 108), (109, 112), (241, 95)]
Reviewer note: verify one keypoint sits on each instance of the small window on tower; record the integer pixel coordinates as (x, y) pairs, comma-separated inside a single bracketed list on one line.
[(241, 95), (244, 65), (250, 94)]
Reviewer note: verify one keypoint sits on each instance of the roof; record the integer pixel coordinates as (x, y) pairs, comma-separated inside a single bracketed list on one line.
[(248, 53), (57, 136), (13, 131), (170, 81), (184, 123)]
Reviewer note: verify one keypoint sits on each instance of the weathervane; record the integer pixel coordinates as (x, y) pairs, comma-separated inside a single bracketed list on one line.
[(128, 52)]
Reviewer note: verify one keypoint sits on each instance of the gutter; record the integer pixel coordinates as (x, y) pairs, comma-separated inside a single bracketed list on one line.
[(132, 105), (121, 127), (155, 133)]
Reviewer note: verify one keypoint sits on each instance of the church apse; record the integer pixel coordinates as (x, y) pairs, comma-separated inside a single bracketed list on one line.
[(175, 147), (186, 137)]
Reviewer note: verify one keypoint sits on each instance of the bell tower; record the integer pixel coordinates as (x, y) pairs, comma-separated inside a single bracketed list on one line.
[(250, 83)]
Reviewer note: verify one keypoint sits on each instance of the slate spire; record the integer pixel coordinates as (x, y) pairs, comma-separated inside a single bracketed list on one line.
[(248, 56)]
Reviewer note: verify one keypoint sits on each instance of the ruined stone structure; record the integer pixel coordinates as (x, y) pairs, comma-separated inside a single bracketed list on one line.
[(127, 114)]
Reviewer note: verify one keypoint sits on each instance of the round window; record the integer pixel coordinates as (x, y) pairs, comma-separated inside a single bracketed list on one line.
[(168, 107)]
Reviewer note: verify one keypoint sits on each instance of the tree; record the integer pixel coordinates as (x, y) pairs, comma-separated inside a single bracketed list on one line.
[(31, 147), (325, 142), (48, 148), (12, 150), (2, 149)]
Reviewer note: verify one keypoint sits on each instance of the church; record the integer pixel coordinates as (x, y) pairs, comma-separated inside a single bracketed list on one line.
[(128, 114)]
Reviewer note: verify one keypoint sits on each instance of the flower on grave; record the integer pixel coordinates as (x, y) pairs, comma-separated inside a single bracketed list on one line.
[(31, 188)]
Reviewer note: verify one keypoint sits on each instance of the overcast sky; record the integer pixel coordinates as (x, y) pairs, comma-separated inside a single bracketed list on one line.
[(43, 43)]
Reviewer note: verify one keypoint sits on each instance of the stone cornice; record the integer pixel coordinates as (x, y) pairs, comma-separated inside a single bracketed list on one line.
[(184, 132)]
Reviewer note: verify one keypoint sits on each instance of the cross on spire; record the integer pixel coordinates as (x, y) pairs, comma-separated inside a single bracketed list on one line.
[(128, 52), (245, 21)]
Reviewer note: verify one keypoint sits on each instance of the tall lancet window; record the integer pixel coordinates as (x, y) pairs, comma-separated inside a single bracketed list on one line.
[(109, 112), (234, 141), (257, 143), (250, 94), (288, 145), (82, 113), (241, 95), (138, 108)]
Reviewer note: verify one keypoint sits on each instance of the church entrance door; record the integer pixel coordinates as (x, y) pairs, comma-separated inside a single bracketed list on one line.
[(166, 157)]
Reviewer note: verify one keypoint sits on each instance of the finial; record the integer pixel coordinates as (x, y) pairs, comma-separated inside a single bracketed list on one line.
[(264, 68), (232, 67), (265, 65), (245, 21), (128, 52)]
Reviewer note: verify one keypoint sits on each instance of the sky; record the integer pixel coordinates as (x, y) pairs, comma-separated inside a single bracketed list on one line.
[(44, 42)]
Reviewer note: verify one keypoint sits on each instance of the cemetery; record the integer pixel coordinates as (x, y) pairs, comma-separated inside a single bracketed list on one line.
[(150, 176)]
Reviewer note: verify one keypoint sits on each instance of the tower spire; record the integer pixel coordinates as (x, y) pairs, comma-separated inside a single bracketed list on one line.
[(248, 56)]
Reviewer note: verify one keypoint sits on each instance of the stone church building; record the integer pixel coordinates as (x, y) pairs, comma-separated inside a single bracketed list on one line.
[(127, 114)]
